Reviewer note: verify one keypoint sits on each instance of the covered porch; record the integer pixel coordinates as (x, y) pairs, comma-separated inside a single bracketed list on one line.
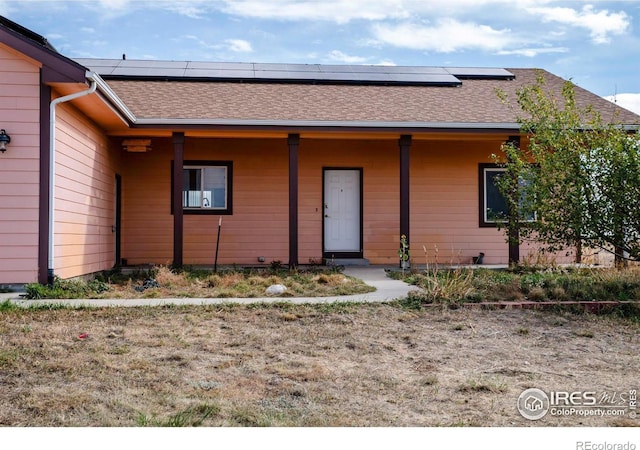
[(283, 188)]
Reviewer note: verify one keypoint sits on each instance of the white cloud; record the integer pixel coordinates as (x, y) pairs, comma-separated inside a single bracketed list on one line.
[(187, 8), (627, 101), (114, 4), (341, 11), (337, 55), (447, 36), (96, 43), (601, 24), (533, 52), (239, 45)]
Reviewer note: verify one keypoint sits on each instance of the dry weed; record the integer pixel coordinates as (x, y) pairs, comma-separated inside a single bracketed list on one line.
[(170, 279)]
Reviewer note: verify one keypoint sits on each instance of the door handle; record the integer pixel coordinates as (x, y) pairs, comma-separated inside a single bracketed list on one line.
[(326, 215)]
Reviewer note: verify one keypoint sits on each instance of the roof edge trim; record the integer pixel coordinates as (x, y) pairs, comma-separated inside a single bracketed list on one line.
[(112, 97), (325, 124)]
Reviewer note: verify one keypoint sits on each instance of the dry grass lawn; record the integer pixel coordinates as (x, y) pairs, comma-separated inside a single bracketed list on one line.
[(163, 282), (283, 365)]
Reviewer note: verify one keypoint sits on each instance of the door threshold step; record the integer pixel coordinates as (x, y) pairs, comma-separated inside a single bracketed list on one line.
[(347, 262)]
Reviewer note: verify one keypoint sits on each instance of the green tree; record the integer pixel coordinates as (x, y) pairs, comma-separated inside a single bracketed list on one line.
[(579, 176)]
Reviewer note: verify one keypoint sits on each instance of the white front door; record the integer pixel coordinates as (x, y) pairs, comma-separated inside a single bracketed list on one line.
[(342, 216)]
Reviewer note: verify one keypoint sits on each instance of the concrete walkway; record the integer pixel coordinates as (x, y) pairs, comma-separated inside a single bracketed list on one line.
[(386, 290)]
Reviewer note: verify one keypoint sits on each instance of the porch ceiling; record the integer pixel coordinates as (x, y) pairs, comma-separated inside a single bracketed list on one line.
[(97, 107)]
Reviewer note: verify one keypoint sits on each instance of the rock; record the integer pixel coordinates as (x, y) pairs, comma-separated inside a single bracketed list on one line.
[(276, 289), (149, 283)]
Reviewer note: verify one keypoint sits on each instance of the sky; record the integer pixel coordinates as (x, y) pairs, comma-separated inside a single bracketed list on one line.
[(596, 44)]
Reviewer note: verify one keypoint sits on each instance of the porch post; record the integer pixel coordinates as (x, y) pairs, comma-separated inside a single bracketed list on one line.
[(294, 143), (513, 220), (405, 148), (178, 223)]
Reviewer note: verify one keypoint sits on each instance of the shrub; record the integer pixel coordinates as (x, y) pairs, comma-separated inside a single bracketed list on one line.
[(66, 289), (537, 294)]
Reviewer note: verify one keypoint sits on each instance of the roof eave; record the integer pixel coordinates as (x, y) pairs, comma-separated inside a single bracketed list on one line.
[(264, 124)]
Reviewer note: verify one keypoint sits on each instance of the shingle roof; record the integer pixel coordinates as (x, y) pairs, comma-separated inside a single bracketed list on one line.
[(474, 101)]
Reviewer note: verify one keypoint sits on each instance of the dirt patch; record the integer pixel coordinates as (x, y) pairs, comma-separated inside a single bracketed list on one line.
[(324, 365)]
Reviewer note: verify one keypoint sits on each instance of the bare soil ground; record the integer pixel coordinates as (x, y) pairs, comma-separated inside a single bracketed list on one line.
[(324, 365)]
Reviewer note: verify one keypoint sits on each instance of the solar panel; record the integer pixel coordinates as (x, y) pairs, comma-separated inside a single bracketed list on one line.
[(100, 66), (480, 72), (220, 74), (314, 73), (148, 72), (287, 67), (210, 65), (426, 78), (335, 68)]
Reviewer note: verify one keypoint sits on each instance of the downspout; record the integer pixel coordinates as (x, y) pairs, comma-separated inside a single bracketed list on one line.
[(52, 164)]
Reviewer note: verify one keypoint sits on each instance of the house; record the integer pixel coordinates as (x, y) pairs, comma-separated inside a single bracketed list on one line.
[(137, 162)]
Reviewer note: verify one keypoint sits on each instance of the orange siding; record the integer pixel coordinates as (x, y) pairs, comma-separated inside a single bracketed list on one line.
[(85, 195), (445, 206), (147, 228), (381, 221), (258, 226), (444, 201), (19, 167)]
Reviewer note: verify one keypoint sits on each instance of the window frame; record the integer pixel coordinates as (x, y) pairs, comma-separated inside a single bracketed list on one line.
[(203, 164), (483, 220)]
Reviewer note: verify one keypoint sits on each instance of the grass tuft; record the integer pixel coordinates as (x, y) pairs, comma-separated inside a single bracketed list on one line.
[(193, 416), (483, 385)]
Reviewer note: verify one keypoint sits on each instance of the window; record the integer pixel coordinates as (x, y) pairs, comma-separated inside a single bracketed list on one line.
[(493, 205), (206, 187)]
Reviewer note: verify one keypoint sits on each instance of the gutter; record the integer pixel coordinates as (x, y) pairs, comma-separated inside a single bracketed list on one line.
[(52, 164), (104, 88), (339, 124)]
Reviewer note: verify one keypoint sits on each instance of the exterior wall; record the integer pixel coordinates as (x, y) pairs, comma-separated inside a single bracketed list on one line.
[(443, 194), (444, 202), (445, 207), (19, 167), (85, 195), (379, 161), (147, 224), (259, 225)]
